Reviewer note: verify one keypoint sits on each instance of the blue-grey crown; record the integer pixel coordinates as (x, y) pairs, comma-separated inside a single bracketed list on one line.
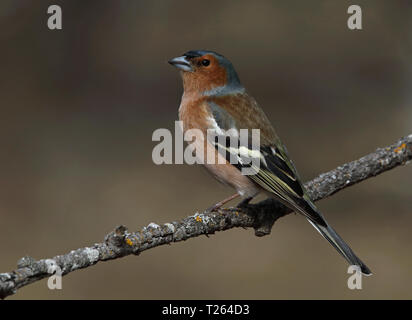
[(232, 77)]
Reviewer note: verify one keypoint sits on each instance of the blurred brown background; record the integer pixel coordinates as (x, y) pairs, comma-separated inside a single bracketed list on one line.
[(78, 108)]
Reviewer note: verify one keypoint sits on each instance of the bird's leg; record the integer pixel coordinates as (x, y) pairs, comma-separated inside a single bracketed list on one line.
[(244, 202), (221, 203)]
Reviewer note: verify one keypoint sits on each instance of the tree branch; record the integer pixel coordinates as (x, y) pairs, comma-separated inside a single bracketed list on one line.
[(260, 216)]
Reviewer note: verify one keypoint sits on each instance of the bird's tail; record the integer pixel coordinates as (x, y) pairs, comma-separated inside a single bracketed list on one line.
[(337, 242)]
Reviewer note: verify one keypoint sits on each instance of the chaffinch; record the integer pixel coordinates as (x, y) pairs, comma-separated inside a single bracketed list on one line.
[(215, 100)]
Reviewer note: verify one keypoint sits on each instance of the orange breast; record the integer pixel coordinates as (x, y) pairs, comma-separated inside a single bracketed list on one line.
[(194, 114)]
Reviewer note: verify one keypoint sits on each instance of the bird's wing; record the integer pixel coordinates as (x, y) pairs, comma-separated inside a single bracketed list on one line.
[(269, 161), (275, 171)]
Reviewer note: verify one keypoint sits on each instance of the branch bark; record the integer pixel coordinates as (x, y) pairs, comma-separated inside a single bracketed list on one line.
[(260, 216)]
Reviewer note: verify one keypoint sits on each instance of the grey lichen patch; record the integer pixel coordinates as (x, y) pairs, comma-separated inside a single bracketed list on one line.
[(154, 230), (179, 234), (51, 266), (5, 276), (384, 162), (75, 266), (92, 254), (153, 225), (170, 228), (116, 239), (26, 261), (200, 217)]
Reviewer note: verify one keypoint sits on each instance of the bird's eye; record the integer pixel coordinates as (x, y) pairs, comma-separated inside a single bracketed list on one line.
[(205, 62)]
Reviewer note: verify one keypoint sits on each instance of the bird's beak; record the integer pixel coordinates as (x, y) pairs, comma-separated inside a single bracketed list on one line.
[(181, 63)]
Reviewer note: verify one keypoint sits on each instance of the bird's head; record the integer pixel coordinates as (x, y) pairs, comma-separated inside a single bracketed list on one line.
[(205, 71)]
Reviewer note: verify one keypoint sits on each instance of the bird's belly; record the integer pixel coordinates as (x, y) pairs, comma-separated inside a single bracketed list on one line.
[(231, 176), (224, 172), (193, 117)]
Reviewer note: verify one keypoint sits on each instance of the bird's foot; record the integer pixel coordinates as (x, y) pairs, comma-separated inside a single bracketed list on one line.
[(220, 204)]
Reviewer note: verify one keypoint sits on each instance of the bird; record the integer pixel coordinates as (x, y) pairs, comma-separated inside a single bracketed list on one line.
[(214, 101)]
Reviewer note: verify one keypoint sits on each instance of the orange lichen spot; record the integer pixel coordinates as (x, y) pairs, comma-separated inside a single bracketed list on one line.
[(198, 219), (400, 148), (129, 242)]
